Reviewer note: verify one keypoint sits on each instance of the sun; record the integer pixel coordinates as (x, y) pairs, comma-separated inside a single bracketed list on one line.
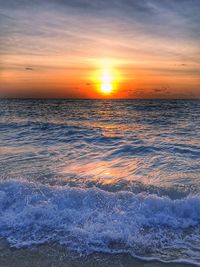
[(106, 78), (106, 88), (106, 82)]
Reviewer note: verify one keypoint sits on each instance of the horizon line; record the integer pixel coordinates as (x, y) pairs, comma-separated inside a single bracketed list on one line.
[(107, 99)]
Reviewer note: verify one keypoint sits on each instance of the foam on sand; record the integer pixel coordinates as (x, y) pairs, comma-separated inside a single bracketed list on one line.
[(93, 220)]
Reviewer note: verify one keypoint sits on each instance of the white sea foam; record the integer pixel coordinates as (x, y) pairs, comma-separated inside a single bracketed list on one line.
[(91, 220)]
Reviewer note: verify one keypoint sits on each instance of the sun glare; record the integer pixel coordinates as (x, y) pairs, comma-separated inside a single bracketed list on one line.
[(106, 88), (106, 78), (106, 82)]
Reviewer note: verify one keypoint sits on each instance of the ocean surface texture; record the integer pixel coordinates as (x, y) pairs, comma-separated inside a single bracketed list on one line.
[(102, 175)]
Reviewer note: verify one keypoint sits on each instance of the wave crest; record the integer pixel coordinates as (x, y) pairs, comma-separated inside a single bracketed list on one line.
[(89, 220)]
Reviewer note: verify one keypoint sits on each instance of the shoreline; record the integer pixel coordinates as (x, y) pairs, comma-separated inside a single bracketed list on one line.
[(54, 255)]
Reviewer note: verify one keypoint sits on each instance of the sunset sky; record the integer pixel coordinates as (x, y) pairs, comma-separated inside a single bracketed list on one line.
[(100, 48)]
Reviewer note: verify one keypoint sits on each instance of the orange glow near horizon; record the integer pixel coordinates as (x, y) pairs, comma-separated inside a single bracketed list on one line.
[(96, 78)]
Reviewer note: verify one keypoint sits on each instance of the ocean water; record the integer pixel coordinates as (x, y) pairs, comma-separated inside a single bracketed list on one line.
[(116, 176)]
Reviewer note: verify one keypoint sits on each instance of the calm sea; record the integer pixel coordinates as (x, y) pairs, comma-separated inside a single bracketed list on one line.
[(102, 175)]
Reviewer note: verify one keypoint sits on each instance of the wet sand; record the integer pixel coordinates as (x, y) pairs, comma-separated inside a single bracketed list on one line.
[(52, 255)]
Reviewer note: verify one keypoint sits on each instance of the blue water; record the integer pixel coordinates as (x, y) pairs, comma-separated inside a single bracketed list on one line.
[(102, 175)]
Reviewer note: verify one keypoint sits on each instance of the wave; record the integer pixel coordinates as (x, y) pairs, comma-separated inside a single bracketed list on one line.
[(91, 220)]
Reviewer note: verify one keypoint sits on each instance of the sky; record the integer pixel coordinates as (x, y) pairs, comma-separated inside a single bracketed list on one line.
[(65, 48)]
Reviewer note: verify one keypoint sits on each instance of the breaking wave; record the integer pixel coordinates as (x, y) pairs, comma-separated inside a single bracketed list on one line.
[(90, 220)]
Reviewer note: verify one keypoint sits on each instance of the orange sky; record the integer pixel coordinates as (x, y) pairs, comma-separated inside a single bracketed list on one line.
[(151, 50)]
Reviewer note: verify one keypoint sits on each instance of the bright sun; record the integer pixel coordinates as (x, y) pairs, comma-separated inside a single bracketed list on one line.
[(106, 78), (106, 82), (106, 88)]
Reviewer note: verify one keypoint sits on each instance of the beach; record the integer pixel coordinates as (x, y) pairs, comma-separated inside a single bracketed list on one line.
[(52, 255), (99, 133), (114, 181)]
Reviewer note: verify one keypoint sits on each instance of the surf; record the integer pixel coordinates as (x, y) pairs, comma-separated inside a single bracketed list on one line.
[(93, 220)]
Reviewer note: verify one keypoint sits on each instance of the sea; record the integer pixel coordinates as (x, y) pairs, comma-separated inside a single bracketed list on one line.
[(108, 176)]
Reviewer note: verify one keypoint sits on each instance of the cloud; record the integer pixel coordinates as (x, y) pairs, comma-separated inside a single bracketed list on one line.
[(158, 90)]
